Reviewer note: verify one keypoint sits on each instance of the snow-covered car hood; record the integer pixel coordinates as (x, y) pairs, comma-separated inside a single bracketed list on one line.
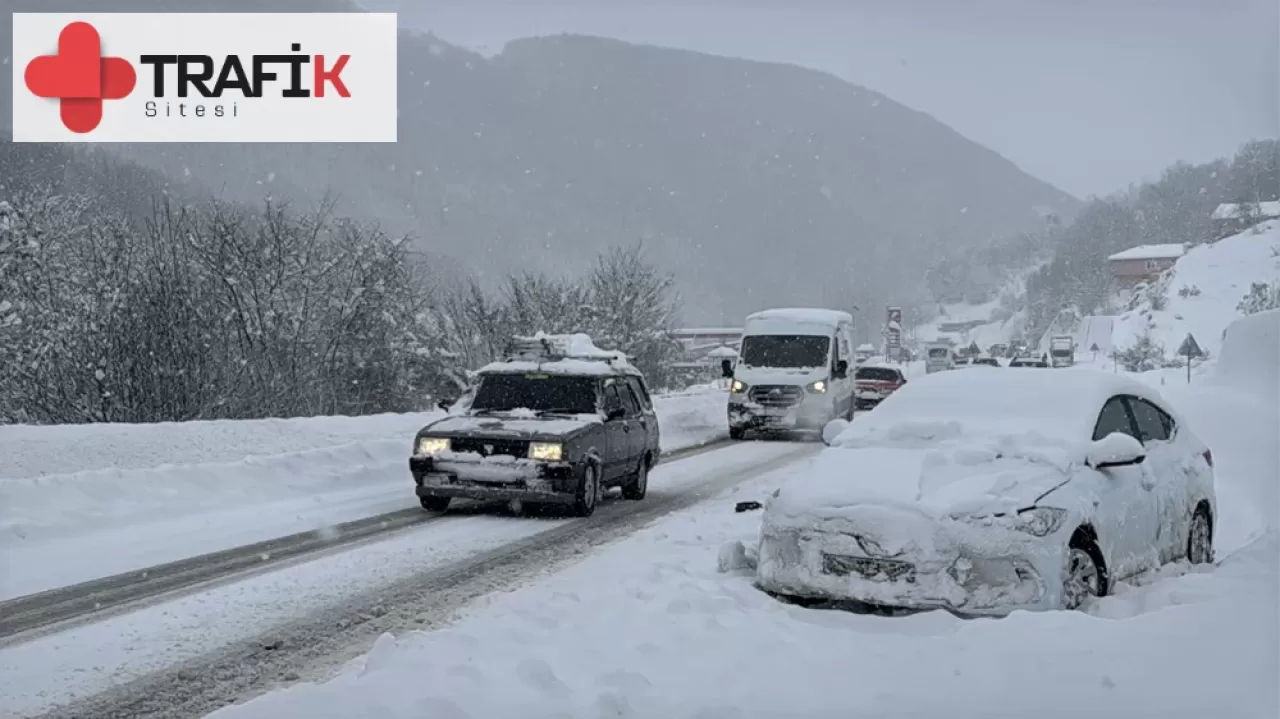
[(778, 375), (947, 480), (511, 426)]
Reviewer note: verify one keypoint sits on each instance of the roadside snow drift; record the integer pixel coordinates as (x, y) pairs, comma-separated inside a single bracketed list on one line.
[(85, 501), (648, 629)]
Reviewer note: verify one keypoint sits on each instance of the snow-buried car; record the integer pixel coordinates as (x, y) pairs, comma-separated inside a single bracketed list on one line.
[(985, 491), (555, 423)]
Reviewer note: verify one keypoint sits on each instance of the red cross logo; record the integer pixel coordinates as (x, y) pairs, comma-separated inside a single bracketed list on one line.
[(79, 77)]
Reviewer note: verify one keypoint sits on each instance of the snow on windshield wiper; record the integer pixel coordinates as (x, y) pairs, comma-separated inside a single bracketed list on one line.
[(557, 410)]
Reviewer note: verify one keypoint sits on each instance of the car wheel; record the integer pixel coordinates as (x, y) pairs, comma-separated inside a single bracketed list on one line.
[(1084, 575), (639, 484), (737, 432), (1200, 538), (434, 504), (588, 492)]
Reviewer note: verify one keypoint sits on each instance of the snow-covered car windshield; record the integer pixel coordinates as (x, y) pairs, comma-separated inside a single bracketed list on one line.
[(785, 350), (538, 392), (937, 353)]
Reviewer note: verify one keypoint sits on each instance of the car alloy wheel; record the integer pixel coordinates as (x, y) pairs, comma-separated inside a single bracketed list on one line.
[(1200, 539), (586, 502), (637, 488), (1082, 578)]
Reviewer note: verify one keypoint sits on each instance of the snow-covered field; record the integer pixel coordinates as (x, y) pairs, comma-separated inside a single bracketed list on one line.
[(649, 628), (79, 502)]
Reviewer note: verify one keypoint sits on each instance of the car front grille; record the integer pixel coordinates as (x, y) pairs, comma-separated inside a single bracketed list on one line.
[(489, 447), (883, 570), (776, 395)]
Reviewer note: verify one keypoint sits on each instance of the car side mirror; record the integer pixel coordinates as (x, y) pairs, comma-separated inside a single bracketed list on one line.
[(1115, 450), (444, 404), (842, 369), (726, 368), (615, 413)]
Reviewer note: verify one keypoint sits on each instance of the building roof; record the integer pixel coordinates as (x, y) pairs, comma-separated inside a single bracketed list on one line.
[(1151, 252), (1231, 210)]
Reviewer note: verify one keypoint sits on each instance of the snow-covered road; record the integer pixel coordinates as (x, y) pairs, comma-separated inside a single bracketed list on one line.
[(80, 502), (322, 608), (648, 628)]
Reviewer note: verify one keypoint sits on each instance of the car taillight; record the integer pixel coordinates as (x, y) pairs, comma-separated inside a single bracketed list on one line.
[(1208, 457)]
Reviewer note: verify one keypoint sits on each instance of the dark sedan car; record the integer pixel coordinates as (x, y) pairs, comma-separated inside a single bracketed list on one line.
[(543, 427)]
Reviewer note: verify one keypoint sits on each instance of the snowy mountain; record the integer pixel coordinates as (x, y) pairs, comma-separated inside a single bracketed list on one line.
[(541, 156), (1201, 294)]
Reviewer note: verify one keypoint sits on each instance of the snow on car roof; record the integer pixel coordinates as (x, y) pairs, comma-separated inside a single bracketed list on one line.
[(1060, 406), (804, 315), (572, 354)]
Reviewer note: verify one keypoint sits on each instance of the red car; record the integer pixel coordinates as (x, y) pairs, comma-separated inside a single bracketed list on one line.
[(872, 384)]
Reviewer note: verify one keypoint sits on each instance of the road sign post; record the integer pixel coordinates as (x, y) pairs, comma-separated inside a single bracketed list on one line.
[(1190, 349)]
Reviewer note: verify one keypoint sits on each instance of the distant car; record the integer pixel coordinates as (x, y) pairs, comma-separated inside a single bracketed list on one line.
[(963, 360), (985, 492), (985, 362), (872, 384), (1028, 362), (556, 423)]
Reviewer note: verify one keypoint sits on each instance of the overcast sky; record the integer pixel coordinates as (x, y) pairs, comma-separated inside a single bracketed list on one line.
[(1087, 94)]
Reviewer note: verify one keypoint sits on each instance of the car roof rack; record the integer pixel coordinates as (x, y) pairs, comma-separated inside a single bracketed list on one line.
[(553, 348)]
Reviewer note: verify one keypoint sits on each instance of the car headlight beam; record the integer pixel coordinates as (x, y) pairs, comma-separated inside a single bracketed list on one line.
[(817, 387), (737, 387), (546, 451), (432, 445)]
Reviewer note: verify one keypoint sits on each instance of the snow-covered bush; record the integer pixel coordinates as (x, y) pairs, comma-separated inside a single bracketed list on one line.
[(1144, 355), (1261, 297), (1189, 291), (1155, 296)]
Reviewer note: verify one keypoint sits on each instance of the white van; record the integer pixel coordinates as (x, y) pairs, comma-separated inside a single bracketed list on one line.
[(792, 371), (939, 359)]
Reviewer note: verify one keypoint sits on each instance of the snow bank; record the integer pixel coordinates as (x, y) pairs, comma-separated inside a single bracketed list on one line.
[(130, 496), (649, 629), (1238, 416), (1222, 272)]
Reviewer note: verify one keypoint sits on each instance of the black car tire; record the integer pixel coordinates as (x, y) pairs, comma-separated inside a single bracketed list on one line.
[(435, 504), (636, 488), (737, 432), (584, 504)]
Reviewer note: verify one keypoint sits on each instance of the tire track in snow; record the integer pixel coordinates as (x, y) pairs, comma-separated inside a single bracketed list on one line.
[(316, 645), (28, 617)]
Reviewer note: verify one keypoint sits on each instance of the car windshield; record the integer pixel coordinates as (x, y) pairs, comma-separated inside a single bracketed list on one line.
[(1061, 352), (785, 350), (878, 374), (937, 353), (536, 391)]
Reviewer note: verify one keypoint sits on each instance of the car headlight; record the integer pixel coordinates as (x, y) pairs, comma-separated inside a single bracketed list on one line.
[(1040, 521), (546, 451), (738, 387), (817, 387), (432, 445)]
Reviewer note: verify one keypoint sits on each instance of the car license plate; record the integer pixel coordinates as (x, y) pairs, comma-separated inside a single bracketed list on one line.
[(882, 570)]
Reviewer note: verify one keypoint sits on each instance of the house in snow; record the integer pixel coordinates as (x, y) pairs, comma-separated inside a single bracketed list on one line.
[(1232, 217), (1143, 263)]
